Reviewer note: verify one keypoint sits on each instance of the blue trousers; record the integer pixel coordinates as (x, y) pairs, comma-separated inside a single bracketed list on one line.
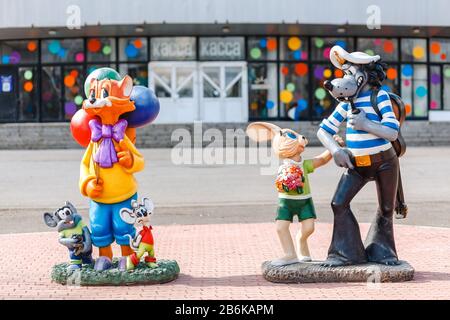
[(107, 225)]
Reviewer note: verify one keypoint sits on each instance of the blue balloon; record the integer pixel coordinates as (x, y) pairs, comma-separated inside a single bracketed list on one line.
[(263, 43), (407, 70), (297, 54), (147, 107)]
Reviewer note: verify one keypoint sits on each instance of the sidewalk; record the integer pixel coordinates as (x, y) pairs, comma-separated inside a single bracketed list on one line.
[(222, 261)]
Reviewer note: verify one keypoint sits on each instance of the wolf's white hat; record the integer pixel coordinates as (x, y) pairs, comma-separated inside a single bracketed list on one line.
[(339, 56)]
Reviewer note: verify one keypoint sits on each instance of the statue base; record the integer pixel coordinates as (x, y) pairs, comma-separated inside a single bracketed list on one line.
[(313, 272), (167, 270)]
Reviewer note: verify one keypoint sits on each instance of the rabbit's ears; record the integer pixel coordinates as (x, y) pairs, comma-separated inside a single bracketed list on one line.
[(262, 131)]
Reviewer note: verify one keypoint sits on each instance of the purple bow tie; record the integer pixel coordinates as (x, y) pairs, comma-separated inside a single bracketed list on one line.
[(106, 155)]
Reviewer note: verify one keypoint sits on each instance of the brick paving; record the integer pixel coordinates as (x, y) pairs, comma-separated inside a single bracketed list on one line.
[(223, 262)]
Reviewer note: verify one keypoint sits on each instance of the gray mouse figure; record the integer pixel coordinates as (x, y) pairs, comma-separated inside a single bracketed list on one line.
[(74, 234)]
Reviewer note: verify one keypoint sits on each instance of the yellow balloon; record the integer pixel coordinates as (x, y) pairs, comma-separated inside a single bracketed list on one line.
[(327, 73), (286, 96), (418, 52), (294, 43)]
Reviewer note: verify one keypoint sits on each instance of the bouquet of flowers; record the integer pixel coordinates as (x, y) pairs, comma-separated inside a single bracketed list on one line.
[(290, 178)]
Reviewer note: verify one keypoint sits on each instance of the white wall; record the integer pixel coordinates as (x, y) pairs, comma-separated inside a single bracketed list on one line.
[(52, 13)]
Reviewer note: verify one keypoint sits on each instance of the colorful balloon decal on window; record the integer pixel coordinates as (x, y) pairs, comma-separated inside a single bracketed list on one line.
[(421, 91), (285, 70), (28, 86), (391, 73), (28, 75), (301, 69), (435, 79), (290, 87), (408, 109), (15, 57), (54, 47), (79, 57), (70, 108), (327, 73), (69, 81), (131, 51), (407, 70), (286, 96), (94, 45), (107, 50), (447, 72), (294, 43), (302, 105), (78, 100), (271, 44), (255, 53), (263, 43), (318, 72), (338, 73), (418, 52), (434, 105), (320, 93), (270, 104), (326, 53), (318, 42), (341, 43), (32, 46), (388, 46)]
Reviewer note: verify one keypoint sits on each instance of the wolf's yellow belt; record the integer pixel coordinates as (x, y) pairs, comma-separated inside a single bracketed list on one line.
[(368, 160)]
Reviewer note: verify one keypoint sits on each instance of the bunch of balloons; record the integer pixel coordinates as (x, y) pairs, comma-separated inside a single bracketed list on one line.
[(145, 101)]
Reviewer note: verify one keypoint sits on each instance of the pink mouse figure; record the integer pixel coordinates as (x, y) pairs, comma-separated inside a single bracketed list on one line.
[(294, 193)]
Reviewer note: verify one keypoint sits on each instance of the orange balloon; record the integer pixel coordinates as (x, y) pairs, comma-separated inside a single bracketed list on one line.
[(391, 73), (271, 44), (443, 56), (69, 81), (408, 108), (435, 47), (388, 46), (338, 73), (138, 43), (301, 69), (28, 86), (32, 46), (285, 70), (94, 45)]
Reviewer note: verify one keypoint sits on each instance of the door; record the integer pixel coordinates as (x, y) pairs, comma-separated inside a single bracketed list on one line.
[(176, 86), (223, 92), (8, 93)]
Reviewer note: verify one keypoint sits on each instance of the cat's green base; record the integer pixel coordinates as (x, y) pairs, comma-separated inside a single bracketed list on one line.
[(167, 270)]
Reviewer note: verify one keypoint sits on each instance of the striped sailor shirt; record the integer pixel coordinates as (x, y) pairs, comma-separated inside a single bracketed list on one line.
[(360, 142)]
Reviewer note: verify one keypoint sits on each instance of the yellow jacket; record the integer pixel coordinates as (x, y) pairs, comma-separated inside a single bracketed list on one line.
[(119, 183)]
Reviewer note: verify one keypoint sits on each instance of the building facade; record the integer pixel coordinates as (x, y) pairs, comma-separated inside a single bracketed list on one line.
[(214, 61)]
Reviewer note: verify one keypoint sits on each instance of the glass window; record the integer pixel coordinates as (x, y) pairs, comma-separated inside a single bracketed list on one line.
[(133, 49), (435, 87), (323, 102), (440, 50), (185, 82), (294, 48), (73, 90), (233, 82), (262, 48), (101, 49), (414, 50), (211, 82), (67, 50), (415, 89), (222, 48), (138, 72), (263, 97), (162, 77), (173, 49), (28, 94), (51, 93), (320, 47), (446, 83), (387, 48), (17, 52), (294, 90)]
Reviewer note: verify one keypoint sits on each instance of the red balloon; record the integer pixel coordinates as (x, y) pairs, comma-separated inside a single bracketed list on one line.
[(79, 126)]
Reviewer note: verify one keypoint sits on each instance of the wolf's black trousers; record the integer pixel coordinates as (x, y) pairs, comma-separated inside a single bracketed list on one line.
[(346, 244)]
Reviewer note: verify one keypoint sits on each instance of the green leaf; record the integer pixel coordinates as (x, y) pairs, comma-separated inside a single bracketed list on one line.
[(285, 187), (299, 190)]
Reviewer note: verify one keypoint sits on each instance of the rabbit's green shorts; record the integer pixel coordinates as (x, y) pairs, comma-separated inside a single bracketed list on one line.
[(288, 208)]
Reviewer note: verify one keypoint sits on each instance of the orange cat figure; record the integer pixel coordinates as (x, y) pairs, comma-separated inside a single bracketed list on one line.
[(110, 160)]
